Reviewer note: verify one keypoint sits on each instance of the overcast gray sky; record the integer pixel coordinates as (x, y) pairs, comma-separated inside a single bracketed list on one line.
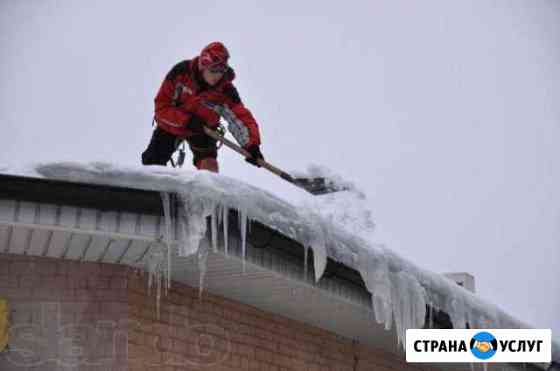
[(445, 112)]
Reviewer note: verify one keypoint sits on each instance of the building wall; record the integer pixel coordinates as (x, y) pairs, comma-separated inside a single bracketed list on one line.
[(214, 333), (68, 315), (65, 315)]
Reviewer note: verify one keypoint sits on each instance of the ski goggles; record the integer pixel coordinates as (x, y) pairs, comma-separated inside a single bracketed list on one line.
[(217, 68)]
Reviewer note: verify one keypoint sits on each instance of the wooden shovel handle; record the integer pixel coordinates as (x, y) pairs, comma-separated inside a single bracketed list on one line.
[(273, 169)]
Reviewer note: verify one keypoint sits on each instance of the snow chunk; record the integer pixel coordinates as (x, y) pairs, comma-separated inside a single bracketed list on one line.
[(332, 179), (345, 209)]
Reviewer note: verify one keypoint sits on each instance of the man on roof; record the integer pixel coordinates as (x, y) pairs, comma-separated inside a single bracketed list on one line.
[(190, 98)]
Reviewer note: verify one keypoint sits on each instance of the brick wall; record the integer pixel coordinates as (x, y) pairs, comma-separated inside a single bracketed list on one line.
[(65, 315), (68, 315), (214, 333)]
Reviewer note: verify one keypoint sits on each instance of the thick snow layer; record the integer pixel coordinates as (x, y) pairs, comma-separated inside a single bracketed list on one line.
[(399, 289), (345, 209)]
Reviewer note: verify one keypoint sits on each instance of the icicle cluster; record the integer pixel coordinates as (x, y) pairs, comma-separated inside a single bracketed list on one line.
[(394, 295), (192, 215), (400, 290)]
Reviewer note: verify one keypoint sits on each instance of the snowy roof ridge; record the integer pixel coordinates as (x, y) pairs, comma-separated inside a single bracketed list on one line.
[(397, 286)]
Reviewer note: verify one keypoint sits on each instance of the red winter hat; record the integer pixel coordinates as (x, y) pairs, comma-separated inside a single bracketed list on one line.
[(214, 54)]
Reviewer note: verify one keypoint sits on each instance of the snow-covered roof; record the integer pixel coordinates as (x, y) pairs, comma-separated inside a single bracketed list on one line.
[(399, 289)]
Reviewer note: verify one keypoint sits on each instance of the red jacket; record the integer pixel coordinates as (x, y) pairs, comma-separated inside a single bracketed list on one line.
[(181, 83)]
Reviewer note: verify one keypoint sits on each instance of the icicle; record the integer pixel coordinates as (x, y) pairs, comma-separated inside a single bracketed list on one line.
[(319, 259), (456, 310), (194, 214), (409, 304), (202, 265), (243, 229), (214, 224), (158, 294), (375, 273), (155, 262), (226, 228), (166, 200), (472, 366), (396, 296), (220, 214), (316, 239), (485, 366), (397, 306), (305, 248), (239, 217), (189, 246), (430, 316)]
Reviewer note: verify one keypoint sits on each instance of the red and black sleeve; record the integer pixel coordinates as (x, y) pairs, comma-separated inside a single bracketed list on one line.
[(243, 115), (167, 112)]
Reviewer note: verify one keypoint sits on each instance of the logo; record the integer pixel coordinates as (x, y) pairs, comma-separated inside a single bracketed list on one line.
[(479, 345), (483, 345)]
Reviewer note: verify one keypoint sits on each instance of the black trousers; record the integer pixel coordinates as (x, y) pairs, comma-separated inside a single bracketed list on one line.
[(163, 145)]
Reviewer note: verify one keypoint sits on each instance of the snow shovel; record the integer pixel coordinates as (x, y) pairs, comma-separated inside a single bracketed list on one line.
[(315, 186)]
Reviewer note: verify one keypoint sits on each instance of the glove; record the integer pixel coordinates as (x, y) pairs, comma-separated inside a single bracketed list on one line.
[(195, 105), (256, 154)]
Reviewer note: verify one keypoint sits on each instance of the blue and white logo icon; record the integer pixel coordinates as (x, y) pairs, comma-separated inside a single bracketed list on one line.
[(483, 345)]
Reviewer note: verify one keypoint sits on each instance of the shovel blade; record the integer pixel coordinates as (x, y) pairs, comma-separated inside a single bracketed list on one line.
[(318, 186)]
